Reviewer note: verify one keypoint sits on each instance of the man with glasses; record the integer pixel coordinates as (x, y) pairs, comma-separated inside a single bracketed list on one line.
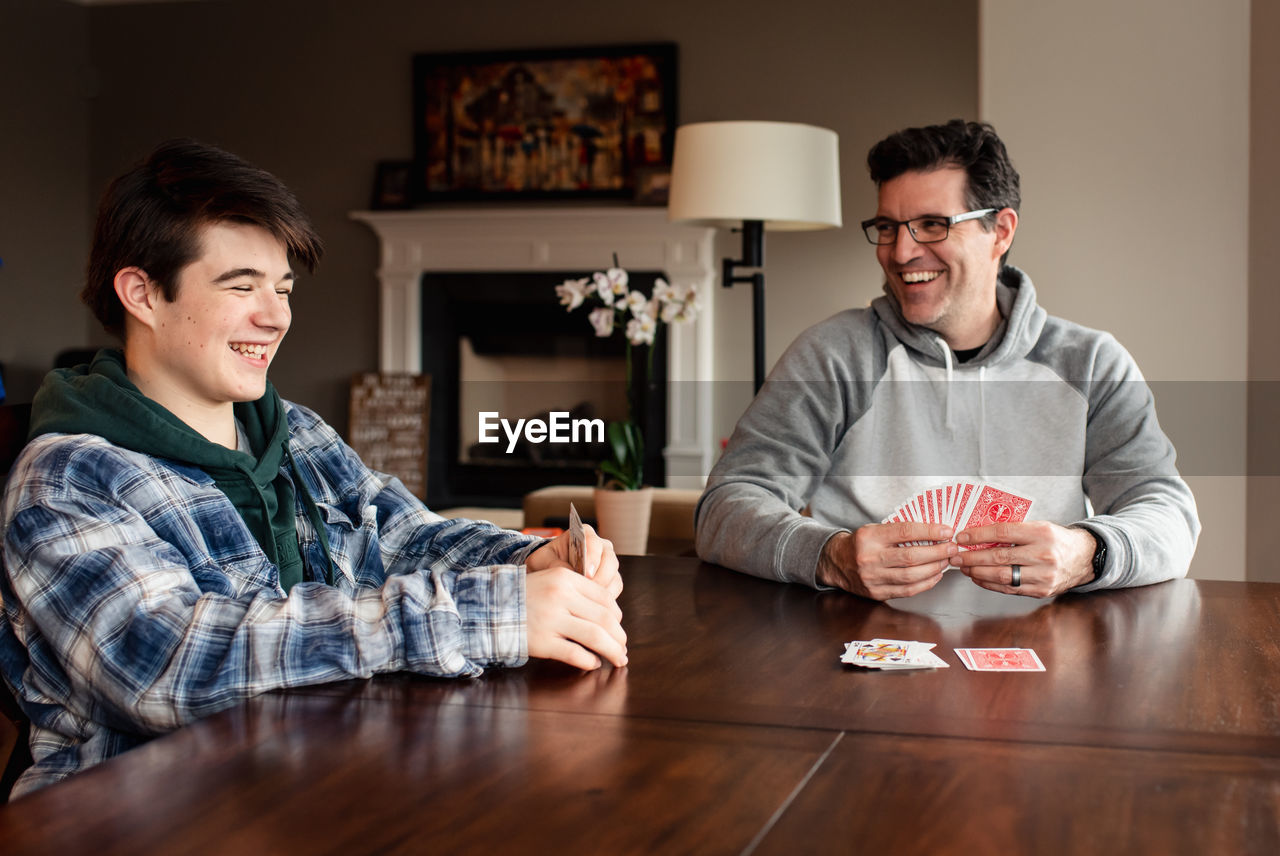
[(954, 374)]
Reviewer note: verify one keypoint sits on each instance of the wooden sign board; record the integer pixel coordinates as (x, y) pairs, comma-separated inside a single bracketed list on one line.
[(389, 421)]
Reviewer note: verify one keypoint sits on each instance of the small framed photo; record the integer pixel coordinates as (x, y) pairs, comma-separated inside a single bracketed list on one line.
[(392, 185)]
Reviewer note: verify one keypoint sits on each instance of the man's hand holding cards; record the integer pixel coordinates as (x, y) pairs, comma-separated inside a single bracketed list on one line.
[(999, 549), (961, 506), (907, 553)]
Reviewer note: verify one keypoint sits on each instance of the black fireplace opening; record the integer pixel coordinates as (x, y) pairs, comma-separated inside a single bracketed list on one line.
[(500, 343)]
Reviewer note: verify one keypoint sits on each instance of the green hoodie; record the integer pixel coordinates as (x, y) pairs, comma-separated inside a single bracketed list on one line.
[(99, 398)]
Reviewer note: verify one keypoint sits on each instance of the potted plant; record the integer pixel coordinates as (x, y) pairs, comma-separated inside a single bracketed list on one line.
[(623, 502)]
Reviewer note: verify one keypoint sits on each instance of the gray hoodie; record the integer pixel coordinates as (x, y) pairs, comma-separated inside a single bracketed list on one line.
[(865, 410)]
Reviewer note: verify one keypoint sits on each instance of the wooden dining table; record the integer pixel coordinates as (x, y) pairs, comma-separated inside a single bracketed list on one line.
[(735, 728)]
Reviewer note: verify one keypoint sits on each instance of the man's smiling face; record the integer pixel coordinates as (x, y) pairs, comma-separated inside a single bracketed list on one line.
[(949, 286)]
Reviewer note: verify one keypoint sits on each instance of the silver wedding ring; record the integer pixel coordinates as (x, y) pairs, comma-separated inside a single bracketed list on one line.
[(1017, 575)]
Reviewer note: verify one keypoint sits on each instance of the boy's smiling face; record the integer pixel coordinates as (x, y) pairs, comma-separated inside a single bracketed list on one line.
[(213, 343)]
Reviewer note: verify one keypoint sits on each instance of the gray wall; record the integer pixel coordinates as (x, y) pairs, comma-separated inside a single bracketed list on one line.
[(1136, 220), (45, 85), (1263, 540)]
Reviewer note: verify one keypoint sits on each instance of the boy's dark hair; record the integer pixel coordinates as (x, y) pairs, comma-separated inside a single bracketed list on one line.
[(151, 218), (972, 146)]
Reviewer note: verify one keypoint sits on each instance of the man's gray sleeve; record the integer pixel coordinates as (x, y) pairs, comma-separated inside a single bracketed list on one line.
[(749, 516), (1143, 509)]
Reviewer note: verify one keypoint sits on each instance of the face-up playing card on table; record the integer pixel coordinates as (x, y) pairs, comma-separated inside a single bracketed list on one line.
[(892, 654), (876, 652), (1000, 659)]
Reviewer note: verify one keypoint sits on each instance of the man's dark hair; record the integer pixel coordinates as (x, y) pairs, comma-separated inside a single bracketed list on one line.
[(972, 146), (151, 217)]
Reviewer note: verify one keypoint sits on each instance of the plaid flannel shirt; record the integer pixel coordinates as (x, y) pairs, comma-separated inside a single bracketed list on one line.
[(136, 600)]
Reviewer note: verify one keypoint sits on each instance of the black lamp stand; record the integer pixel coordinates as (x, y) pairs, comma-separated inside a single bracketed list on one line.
[(752, 256)]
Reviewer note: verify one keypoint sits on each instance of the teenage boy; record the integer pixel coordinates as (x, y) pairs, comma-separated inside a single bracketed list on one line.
[(177, 538)]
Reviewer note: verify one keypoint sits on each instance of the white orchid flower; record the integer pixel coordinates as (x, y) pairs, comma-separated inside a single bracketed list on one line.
[(618, 279), (640, 330), (571, 293), (668, 304), (602, 320), (604, 290), (637, 304), (682, 306), (612, 285), (690, 303)]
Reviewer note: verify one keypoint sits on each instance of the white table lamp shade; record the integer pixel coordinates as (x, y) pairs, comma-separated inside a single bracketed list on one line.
[(782, 173)]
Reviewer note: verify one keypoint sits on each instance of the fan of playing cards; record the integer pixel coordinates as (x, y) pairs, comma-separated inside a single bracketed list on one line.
[(963, 505)]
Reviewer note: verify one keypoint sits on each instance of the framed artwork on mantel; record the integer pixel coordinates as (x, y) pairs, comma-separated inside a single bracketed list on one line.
[(566, 123)]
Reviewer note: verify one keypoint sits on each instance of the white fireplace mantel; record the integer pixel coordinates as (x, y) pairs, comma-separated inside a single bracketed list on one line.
[(559, 239)]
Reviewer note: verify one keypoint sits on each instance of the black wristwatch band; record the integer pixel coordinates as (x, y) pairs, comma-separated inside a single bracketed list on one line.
[(1099, 556), (1099, 553)]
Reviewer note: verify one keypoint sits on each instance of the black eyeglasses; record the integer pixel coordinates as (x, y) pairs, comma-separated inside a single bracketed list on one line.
[(925, 230)]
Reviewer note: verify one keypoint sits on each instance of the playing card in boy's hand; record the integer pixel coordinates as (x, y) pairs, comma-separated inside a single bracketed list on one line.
[(577, 541)]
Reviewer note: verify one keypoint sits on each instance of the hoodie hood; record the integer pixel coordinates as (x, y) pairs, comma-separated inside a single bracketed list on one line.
[(98, 398), (1022, 321)]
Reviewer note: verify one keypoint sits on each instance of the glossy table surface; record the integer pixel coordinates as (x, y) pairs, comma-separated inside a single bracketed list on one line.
[(1154, 729)]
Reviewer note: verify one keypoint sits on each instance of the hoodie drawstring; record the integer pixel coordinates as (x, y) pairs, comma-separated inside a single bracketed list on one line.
[(982, 406), (946, 355), (982, 423)]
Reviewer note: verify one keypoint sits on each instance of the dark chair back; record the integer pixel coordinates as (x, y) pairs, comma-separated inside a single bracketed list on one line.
[(15, 419), (15, 741), (15, 728), (73, 357)]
